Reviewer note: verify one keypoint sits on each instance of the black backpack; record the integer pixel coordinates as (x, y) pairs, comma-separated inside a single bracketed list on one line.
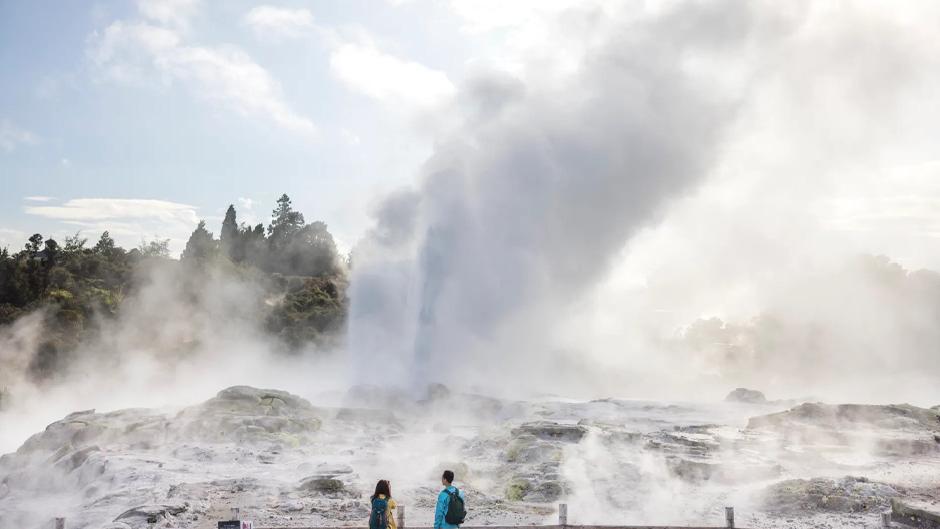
[(379, 517), (456, 512)]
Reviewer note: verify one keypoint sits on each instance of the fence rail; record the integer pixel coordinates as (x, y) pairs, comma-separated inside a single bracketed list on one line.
[(887, 520), (538, 527), (562, 523), (236, 522)]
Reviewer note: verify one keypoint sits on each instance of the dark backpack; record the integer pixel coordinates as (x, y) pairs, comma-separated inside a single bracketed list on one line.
[(379, 517), (456, 512)]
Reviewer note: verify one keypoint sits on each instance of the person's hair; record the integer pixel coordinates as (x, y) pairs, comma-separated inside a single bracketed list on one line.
[(382, 487), (448, 476)]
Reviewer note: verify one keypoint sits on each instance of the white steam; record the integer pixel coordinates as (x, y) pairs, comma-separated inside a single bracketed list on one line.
[(524, 206), (720, 133), (179, 338)]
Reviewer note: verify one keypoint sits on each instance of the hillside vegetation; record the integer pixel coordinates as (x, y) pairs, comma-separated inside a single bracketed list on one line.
[(285, 279)]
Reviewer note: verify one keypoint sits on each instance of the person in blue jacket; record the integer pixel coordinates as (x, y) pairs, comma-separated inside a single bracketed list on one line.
[(443, 501)]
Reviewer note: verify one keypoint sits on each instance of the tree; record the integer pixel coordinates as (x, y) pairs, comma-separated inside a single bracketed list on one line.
[(60, 278), (229, 236), (157, 248), (311, 252), (285, 223), (105, 245), (79, 286), (200, 245), (32, 247), (253, 247), (7, 267), (52, 251), (74, 243)]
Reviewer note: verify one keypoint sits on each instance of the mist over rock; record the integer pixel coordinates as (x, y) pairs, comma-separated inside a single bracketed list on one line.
[(323, 484), (894, 429), (796, 497), (551, 431), (133, 427), (243, 413), (923, 513), (151, 514), (376, 396), (748, 396), (438, 392), (237, 414), (285, 461), (852, 416), (534, 456)]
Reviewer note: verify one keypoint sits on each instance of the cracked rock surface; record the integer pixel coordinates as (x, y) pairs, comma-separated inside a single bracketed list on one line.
[(286, 462)]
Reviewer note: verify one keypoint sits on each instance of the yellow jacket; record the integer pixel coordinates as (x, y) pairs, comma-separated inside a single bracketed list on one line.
[(388, 512)]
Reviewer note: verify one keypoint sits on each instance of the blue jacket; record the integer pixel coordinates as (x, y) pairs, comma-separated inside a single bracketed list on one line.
[(443, 500)]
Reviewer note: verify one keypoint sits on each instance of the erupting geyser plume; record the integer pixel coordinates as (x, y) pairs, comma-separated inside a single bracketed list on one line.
[(525, 203), (697, 125)]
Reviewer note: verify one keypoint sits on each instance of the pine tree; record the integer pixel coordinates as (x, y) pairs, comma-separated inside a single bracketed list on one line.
[(105, 245), (200, 246), (285, 223), (228, 237)]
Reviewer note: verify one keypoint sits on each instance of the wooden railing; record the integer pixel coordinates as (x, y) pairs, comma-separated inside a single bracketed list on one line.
[(562, 523), (236, 522), (887, 520)]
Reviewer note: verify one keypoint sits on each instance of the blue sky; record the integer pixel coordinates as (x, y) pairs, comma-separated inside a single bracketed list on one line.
[(204, 104)]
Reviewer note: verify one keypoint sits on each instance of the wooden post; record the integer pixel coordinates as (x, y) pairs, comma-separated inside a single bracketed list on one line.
[(60, 523), (401, 516), (562, 514), (886, 519), (729, 517)]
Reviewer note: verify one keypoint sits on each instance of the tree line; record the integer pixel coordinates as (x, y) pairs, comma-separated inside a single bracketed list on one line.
[(288, 246), (77, 287)]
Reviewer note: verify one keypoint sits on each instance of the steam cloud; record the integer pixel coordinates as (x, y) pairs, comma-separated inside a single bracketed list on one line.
[(525, 205), (179, 337)]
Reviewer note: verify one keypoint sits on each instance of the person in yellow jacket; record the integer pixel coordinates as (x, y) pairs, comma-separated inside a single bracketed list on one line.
[(383, 505)]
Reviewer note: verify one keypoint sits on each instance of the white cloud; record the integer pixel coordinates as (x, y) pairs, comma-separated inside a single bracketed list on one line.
[(39, 198), (389, 79), (278, 22), (487, 15), (350, 137), (86, 209), (12, 239), (140, 51), (246, 212), (127, 220), (176, 13), (12, 136), (246, 203)]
